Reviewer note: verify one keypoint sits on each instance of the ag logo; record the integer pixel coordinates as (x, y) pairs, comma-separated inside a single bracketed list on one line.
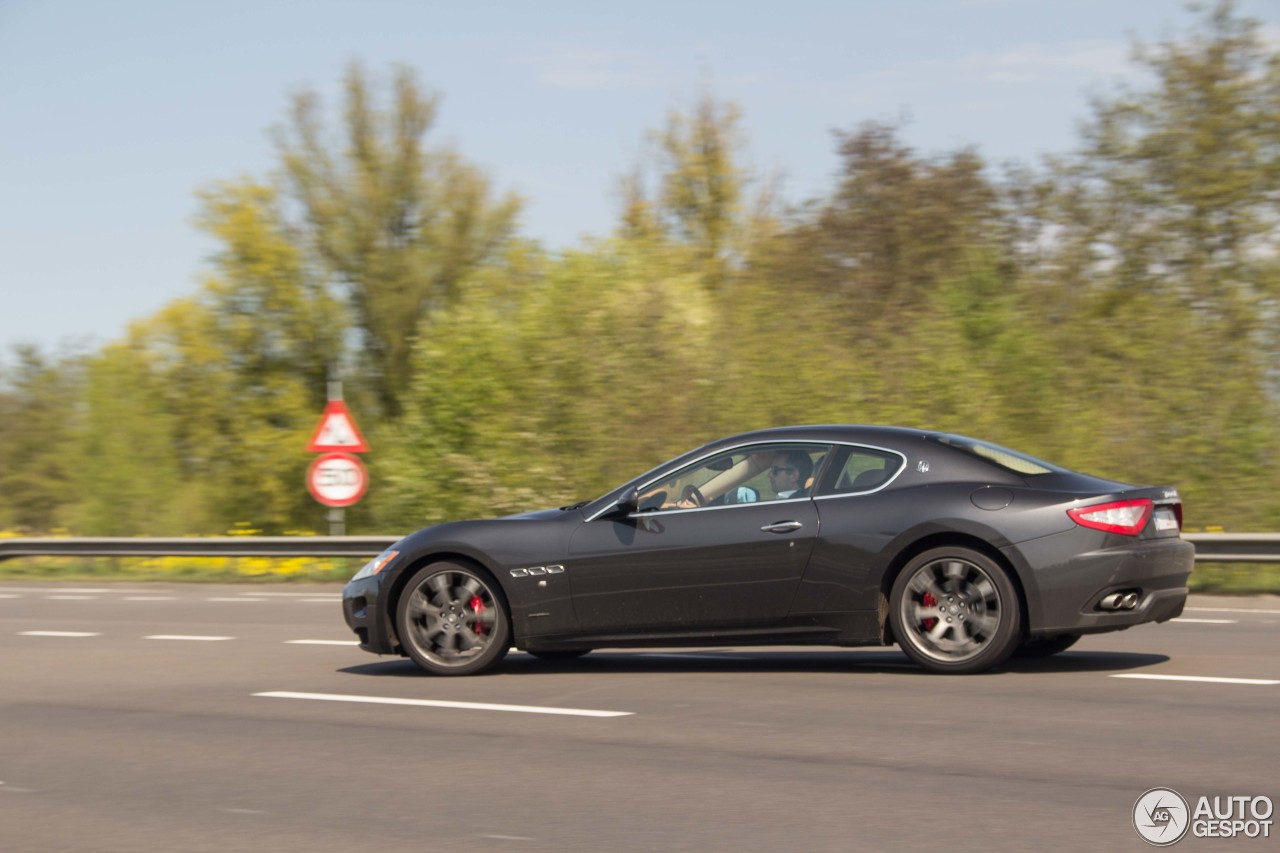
[(1161, 816)]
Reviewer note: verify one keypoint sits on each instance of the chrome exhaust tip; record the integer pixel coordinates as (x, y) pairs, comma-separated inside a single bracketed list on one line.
[(1129, 601), (1112, 601)]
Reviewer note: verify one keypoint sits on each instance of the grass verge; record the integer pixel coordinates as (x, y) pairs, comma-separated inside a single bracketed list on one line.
[(1236, 578), (194, 569)]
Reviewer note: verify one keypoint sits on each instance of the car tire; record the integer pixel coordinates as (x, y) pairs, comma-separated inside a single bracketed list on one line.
[(1043, 647), (453, 619), (955, 610)]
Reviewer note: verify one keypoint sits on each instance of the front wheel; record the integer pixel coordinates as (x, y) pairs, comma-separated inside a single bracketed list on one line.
[(954, 610), (453, 619)]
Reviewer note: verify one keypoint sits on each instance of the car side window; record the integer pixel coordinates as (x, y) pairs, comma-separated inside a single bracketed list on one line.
[(860, 469), (767, 472)]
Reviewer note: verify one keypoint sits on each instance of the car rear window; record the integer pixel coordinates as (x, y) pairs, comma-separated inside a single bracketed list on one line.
[(1010, 460)]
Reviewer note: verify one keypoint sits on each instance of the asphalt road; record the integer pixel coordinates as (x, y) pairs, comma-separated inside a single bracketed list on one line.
[(222, 718)]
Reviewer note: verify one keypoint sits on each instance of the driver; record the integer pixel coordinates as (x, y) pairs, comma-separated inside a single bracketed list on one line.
[(790, 471)]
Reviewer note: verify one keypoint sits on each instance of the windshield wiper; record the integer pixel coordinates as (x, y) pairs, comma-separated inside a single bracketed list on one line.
[(578, 505)]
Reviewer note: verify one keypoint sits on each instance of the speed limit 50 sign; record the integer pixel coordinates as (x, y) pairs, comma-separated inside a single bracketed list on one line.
[(337, 479)]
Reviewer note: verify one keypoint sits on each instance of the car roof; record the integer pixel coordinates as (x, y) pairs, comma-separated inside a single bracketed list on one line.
[(888, 436), (905, 440), (827, 432)]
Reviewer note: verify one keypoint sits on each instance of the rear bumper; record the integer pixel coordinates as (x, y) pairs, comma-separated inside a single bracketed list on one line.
[(1154, 606), (1070, 592)]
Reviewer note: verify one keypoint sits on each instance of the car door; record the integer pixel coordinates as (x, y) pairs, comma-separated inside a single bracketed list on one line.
[(734, 565)]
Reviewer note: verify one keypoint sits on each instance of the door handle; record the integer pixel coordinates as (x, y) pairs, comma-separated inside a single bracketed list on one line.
[(782, 527)]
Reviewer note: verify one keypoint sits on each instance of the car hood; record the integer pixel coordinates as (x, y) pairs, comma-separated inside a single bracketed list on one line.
[(461, 529), (536, 515)]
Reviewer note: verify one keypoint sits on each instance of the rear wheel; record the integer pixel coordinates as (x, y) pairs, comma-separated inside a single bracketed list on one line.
[(453, 620), (954, 610), (1043, 647)]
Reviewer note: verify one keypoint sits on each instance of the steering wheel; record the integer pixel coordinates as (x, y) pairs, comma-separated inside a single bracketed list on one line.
[(693, 496)]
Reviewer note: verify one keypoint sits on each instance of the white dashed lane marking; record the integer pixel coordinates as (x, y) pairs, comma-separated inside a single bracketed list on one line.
[(530, 709), (322, 642), (58, 634), (434, 703), (1232, 610), (195, 638), (1208, 621), (71, 597), (1197, 678)]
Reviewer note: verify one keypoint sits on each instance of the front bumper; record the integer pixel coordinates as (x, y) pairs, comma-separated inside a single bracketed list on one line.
[(1070, 592), (361, 606)]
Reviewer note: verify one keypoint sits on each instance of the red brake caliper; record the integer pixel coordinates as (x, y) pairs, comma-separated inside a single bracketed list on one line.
[(477, 607), (928, 600)]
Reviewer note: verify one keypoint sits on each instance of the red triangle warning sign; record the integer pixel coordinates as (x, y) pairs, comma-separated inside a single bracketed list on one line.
[(337, 431)]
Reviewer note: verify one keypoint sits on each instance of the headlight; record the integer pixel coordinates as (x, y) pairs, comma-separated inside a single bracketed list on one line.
[(376, 565)]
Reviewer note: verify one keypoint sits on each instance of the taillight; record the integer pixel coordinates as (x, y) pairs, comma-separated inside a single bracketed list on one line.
[(1124, 517)]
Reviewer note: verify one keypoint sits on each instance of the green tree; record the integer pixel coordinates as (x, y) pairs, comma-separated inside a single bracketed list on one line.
[(1185, 175), (39, 478), (893, 299), (1163, 233), (273, 313), (130, 478), (198, 420), (554, 392), (896, 226), (706, 202), (266, 332), (701, 190), (399, 225)]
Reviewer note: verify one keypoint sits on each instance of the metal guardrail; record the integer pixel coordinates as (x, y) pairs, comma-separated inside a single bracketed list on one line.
[(203, 546), (1210, 547), (1235, 547)]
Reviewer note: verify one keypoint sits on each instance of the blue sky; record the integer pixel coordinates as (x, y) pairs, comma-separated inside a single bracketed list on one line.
[(112, 114)]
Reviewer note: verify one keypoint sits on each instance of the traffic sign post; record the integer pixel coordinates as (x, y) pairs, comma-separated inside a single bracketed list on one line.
[(337, 431), (337, 479)]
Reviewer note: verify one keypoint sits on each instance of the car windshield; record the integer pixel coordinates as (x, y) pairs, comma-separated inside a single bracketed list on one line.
[(1010, 460)]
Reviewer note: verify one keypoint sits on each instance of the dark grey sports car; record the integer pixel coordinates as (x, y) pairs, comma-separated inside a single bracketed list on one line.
[(960, 551)]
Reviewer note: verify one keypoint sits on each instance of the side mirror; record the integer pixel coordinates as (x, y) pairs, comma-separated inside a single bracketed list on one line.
[(628, 502)]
